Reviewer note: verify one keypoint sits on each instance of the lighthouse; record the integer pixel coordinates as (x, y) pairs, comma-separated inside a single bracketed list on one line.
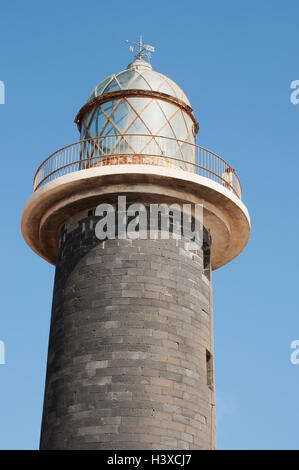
[(131, 354)]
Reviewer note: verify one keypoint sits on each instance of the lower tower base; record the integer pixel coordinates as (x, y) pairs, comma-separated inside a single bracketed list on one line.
[(130, 363)]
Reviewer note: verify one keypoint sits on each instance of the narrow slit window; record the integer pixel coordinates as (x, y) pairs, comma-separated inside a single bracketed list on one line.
[(210, 373), (206, 259)]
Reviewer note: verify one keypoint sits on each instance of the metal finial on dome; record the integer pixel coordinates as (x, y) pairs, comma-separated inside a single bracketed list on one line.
[(141, 48)]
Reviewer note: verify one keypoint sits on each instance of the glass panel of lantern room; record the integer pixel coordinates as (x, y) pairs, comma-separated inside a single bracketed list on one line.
[(113, 86), (106, 144), (126, 78), (105, 127), (190, 125), (92, 129), (166, 88), (83, 132), (138, 104), (108, 106), (100, 121), (138, 127), (98, 151), (154, 79), (166, 132), (138, 83), (178, 125), (87, 117), (152, 146), (109, 129), (123, 116), (168, 109), (189, 154), (178, 92), (99, 89), (139, 135), (152, 115)]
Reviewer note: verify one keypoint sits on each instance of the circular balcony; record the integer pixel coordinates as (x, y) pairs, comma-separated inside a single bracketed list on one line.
[(137, 149)]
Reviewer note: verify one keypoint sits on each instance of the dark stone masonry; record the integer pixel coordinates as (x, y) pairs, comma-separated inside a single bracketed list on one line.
[(130, 362)]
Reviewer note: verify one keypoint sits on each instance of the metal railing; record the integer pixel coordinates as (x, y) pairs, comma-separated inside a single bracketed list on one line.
[(137, 149)]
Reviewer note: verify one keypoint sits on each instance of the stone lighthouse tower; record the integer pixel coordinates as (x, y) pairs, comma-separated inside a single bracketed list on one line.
[(130, 360)]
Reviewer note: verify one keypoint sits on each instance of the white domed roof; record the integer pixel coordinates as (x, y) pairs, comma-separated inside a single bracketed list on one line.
[(139, 76)]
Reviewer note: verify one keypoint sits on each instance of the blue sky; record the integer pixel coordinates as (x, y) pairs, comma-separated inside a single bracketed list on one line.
[(235, 61)]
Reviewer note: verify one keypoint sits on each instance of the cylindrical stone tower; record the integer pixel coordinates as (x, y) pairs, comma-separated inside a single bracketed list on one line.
[(131, 357)]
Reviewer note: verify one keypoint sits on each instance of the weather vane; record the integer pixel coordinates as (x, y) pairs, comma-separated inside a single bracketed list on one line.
[(141, 49)]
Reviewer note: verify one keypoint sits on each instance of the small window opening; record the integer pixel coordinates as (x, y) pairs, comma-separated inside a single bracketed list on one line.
[(210, 374), (206, 259)]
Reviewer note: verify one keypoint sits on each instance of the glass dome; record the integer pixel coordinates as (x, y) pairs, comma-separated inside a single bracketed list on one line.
[(139, 124), (140, 76)]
